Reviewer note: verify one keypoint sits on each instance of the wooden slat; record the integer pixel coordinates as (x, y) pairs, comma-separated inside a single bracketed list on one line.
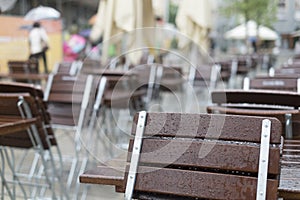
[(257, 97), (205, 154), (247, 110), (200, 184), (24, 76), (9, 125), (274, 83), (65, 97), (239, 128), (104, 175)]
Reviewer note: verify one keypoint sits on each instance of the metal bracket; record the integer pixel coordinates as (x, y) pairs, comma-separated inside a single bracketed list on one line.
[(263, 160), (288, 126), (298, 85), (135, 155), (246, 84)]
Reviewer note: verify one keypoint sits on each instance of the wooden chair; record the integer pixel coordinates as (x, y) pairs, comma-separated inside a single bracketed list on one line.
[(281, 104), (23, 67), (272, 83), (74, 103), (67, 67), (68, 100), (16, 107), (176, 155), (205, 75), (285, 71)]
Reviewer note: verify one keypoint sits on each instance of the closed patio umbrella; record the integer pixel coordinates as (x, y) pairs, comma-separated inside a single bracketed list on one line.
[(194, 19), (121, 17)]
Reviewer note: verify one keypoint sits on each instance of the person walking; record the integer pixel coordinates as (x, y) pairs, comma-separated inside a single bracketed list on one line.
[(39, 44)]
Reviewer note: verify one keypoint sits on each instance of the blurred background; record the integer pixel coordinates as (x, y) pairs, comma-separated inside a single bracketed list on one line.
[(280, 18)]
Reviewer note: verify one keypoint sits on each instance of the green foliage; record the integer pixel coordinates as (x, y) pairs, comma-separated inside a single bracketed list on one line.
[(172, 13), (261, 11)]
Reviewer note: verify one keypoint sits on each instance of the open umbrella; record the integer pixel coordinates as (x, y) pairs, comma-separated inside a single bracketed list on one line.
[(42, 12), (250, 30), (6, 5)]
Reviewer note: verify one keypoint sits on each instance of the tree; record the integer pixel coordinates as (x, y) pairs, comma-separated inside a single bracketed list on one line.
[(261, 11)]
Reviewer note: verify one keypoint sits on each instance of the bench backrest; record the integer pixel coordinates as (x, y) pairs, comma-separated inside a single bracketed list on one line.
[(202, 156), (272, 83)]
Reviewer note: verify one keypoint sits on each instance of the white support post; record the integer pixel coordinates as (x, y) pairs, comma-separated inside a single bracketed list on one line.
[(263, 160), (135, 155)]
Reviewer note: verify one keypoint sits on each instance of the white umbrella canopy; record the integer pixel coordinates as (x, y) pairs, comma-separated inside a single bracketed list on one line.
[(6, 5), (41, 13), (242, 31)]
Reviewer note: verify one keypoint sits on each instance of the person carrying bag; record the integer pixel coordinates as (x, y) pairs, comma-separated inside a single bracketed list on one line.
[(39, 44)]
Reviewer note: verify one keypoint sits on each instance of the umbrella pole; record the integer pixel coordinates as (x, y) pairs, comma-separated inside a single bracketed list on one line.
[(107, 30)]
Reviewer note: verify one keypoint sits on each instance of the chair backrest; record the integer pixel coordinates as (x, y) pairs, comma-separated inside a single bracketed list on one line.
[(283, 105), (23, 67), (272, 83), (287, 71), (67, 67), (225, 71), (38, 95), (256, 97), (205, 75), (207, 156), (169, 78), (68, 98), (16, 106)]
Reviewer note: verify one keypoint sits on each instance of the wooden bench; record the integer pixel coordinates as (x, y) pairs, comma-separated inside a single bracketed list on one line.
[(280, 104), (187, 156)]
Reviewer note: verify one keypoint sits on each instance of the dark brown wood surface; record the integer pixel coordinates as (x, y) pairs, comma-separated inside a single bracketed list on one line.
[(205, 154), (13, 124), (223, 127), (257, 96), (172, 161), (188, 183), (274, 83)]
